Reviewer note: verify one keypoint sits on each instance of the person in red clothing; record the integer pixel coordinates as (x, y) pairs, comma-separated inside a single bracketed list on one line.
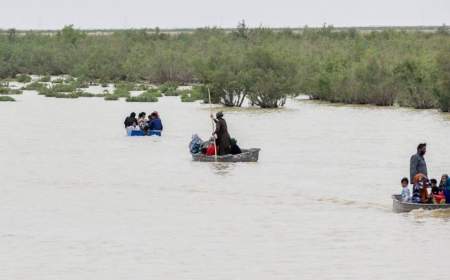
[(211, 150)]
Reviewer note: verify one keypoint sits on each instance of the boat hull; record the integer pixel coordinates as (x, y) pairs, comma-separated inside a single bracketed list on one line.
[(402, 207), (250, 155)]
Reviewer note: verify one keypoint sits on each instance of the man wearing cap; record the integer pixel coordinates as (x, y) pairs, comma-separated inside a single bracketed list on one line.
[(223, 139), (417, 163)]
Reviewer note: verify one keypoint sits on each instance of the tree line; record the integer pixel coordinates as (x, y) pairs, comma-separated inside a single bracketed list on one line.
[(264, 66)]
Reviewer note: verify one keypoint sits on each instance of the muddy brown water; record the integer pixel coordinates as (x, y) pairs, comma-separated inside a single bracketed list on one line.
[(79, 200)]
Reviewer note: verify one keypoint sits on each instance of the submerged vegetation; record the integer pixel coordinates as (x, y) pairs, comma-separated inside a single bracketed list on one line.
[(9, 91), (6, 99), (261, 65)]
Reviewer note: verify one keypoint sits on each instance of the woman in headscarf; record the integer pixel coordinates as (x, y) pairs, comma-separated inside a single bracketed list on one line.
[(223, 139), (155, 126), (443, 182)]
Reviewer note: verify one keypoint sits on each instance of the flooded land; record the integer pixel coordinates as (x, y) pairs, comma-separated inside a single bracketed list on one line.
[(80, 200)]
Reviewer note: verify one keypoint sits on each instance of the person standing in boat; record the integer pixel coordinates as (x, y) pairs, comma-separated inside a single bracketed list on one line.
[(223, 139), (417, 163)]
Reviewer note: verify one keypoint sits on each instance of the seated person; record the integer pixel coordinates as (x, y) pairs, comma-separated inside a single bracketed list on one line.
[(211, 150), (443, 182), (420, 193), (141, 120), (155, 126), (437, 196), (235, 150), (406, 195)]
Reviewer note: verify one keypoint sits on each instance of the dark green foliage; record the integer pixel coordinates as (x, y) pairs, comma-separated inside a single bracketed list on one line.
[(22, 78), (111, 97), (121, 92), (169, 89), (270, 78), (142, 98), (45, 79), (9, 91), (6, 99), (64, 87), (443, 91), (71, 95), (35, 86), (154, 91), (417, 83), (58, 81), (328, 64), (192, 95)]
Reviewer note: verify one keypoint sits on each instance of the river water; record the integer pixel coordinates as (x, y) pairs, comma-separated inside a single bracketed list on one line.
[(79, 200)]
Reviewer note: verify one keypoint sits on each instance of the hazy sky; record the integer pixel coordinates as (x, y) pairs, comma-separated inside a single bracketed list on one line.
[(42, 14)]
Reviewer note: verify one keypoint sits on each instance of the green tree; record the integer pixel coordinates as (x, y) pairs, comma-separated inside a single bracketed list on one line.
[(270, 77)]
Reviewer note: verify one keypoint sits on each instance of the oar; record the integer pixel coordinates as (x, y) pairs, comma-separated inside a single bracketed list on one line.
[(210, 113)]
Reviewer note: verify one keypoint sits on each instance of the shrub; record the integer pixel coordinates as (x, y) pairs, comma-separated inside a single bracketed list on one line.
[(416, 81), (192, 95), (145, 98), (35, 86), (45, 79), (270, 77), (121, 92), (64, 87), (443, 91), (4, 90), (71, 95), (148, 96), (58, 81), (23, 78), (168, 88), (6, 99), (111, 97), (85, 94)]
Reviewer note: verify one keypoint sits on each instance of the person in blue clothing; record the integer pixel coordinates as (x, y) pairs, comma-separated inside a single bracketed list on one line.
[(155, 126), (447, 189)]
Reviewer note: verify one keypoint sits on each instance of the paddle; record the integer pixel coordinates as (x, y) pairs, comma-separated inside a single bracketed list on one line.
[(212, 120)]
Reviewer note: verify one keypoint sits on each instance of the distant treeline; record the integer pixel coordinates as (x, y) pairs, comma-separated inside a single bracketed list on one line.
[(264, 65)]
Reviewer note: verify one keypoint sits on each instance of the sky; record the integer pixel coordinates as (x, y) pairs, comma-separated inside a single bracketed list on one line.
[(92, 14)]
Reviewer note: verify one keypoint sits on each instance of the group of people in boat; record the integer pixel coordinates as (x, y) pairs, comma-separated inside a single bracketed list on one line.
[(424, 190), (219, 144), (143, 125)]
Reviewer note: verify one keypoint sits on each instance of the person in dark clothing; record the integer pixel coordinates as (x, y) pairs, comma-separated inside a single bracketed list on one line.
[(235, 150), (223, 139), (130, 120), (155, 126), (417, 163)]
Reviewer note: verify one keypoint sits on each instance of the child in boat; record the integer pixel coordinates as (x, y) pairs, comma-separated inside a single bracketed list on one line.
[(437, 196), (142, 121), (425, 197), (406, 195), (420, 193)]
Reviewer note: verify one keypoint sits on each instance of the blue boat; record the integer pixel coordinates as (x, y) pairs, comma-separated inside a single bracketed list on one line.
[(143, 133)]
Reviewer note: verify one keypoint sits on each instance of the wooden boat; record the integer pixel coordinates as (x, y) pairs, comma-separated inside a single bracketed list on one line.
[(399, 206), (247, 155)]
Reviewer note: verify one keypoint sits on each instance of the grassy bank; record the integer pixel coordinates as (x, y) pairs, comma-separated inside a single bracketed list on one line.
[(387, 67)]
